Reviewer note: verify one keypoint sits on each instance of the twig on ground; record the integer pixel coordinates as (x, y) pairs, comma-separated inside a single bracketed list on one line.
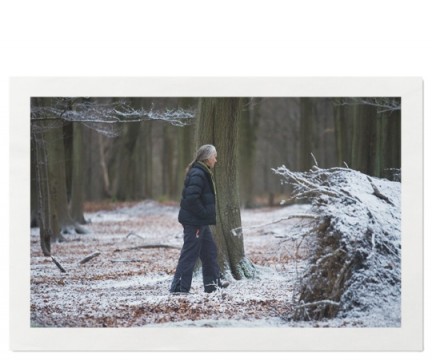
[(149, 246), (58, 264), (88, 258)]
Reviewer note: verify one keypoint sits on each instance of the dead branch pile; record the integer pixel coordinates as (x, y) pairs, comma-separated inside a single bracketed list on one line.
[(354, 265)]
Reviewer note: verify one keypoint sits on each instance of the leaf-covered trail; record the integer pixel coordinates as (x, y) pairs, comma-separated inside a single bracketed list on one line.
[(125, 287)]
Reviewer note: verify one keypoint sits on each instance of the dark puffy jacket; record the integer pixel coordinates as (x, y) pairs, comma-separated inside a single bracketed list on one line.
[(198, 204)]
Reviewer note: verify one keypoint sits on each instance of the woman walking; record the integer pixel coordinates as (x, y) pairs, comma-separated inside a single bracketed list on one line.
[(197, 212)]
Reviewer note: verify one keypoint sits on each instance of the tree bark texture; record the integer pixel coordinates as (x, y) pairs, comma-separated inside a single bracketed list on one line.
[(218, 121), (364, 139), (50, 172), (247, 150), (42, 190), (307, 132), (78, 175), (123, 174), (57, 175)]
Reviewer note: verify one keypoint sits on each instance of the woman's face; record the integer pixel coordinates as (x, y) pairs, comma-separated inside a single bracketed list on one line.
[(212, 160)]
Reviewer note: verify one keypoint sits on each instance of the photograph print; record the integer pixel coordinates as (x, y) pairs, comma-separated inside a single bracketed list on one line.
[(215, 212)]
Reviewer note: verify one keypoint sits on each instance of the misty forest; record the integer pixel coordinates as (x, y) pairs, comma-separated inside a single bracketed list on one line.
[(308, 211)]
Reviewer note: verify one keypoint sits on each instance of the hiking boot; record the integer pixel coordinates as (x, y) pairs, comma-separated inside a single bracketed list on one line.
[(176, 287), (223, 284)]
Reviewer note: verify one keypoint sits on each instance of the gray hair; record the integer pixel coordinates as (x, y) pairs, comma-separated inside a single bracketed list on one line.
[(203, 153)]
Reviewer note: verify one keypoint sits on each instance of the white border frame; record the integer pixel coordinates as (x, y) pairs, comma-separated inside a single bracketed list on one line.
[(409, 337)]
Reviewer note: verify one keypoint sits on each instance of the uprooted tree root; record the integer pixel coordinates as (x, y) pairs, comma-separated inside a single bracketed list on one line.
[(331, 267), (355, 263)]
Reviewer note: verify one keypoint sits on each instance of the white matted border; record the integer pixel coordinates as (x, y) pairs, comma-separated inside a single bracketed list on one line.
[(409, 337)]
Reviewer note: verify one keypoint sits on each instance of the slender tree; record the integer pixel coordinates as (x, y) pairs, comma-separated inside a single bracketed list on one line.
[(186, 145), (307, 132), (148, 158), (343, 134), (77, 181)]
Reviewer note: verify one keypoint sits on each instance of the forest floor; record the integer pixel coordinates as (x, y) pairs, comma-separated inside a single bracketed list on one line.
[(127, 285)]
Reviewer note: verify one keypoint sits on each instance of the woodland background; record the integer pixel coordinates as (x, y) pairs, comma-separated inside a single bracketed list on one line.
[(145, 158)]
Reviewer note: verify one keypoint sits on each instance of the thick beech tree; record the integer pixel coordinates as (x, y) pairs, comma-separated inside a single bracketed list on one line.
[(218, 123)]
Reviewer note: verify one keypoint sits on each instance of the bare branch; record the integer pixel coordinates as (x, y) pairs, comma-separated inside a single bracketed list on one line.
[(327, 256), (314, 159), (90, 257), (103, 117), (305, 185), (378, 193), (58, 264), (150, 246), (147, 246), (383, 104)]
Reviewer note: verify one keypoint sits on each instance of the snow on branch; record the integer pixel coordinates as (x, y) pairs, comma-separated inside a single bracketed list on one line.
[(383, 104), (104, 116), (354, 245), (311, 184)]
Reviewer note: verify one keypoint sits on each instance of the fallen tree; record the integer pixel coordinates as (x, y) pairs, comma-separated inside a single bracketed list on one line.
[(354, 263)]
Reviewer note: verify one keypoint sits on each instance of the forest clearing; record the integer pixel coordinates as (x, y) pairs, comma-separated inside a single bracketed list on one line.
[(135, 248)]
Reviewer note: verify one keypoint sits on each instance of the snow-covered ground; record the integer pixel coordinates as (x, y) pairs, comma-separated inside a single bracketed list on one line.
[(127, 287)]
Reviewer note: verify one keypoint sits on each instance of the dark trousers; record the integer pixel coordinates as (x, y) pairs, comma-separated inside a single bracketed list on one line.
[(197, 242)]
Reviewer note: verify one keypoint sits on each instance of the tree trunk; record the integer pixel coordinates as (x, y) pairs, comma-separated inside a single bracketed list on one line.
[(42, 192), (218, 125), (148, 159), (122, 171), (307, 118), (185, 145), (247, 147), (77, 176), (57, 176), (168, 179), (51, 178), (325, 150), (343, 134), (364, 142), (34, 202), (394, 134)]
